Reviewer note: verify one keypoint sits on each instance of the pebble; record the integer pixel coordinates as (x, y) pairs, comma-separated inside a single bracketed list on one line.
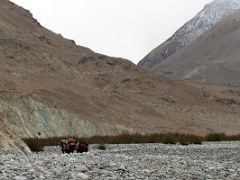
[(82, 176), (136, 161), (20, 178), (41, 177)]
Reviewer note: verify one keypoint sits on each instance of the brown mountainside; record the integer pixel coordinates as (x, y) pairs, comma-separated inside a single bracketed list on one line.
[(52, 87)]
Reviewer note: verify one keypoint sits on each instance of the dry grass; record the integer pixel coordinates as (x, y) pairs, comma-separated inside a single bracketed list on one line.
[(137, 138), (221, 137), (36, 144)]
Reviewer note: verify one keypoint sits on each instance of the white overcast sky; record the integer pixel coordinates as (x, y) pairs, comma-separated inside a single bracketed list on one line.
[(120, 28)]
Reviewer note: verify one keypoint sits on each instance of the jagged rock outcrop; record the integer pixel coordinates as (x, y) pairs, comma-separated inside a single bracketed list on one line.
[(39, 120), (203, 21)]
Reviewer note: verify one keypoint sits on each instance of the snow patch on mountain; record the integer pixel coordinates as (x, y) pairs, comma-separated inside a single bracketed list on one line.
[(204, 20)]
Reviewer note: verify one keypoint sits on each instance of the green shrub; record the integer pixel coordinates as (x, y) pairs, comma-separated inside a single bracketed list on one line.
[(184, 143), (169, 141), (216, 137), (101, 147), (197, 141)]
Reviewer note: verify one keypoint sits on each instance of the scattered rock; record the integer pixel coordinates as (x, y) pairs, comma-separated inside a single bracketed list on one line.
[(137, 161), (20, 178), (82, 176)]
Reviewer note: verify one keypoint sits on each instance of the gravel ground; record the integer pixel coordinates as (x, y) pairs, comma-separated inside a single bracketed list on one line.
[(142, 161)]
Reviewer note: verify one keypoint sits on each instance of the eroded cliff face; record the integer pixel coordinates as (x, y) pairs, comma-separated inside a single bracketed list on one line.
[(29, 118)]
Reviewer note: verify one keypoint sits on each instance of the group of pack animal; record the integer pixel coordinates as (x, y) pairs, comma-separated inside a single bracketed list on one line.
[(70, 145)]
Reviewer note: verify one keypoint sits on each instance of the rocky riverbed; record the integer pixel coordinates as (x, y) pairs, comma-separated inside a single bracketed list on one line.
[(142, 161)]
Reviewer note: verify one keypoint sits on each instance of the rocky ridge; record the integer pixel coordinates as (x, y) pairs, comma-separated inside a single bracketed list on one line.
[(203, 21), (212, 59)]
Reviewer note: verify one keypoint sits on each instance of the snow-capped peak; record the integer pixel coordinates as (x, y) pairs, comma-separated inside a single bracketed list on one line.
[(210, 15), (204, 20)]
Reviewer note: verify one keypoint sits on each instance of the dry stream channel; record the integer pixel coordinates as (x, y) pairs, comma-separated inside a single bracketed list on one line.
[(220, 160)]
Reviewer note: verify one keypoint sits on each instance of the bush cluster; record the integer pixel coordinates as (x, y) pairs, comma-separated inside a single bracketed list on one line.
[(101, 147), (36, 144)]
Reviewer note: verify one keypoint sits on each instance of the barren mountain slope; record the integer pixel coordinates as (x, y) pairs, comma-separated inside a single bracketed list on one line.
[(51, 87), (204, 20), (212, 59)]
